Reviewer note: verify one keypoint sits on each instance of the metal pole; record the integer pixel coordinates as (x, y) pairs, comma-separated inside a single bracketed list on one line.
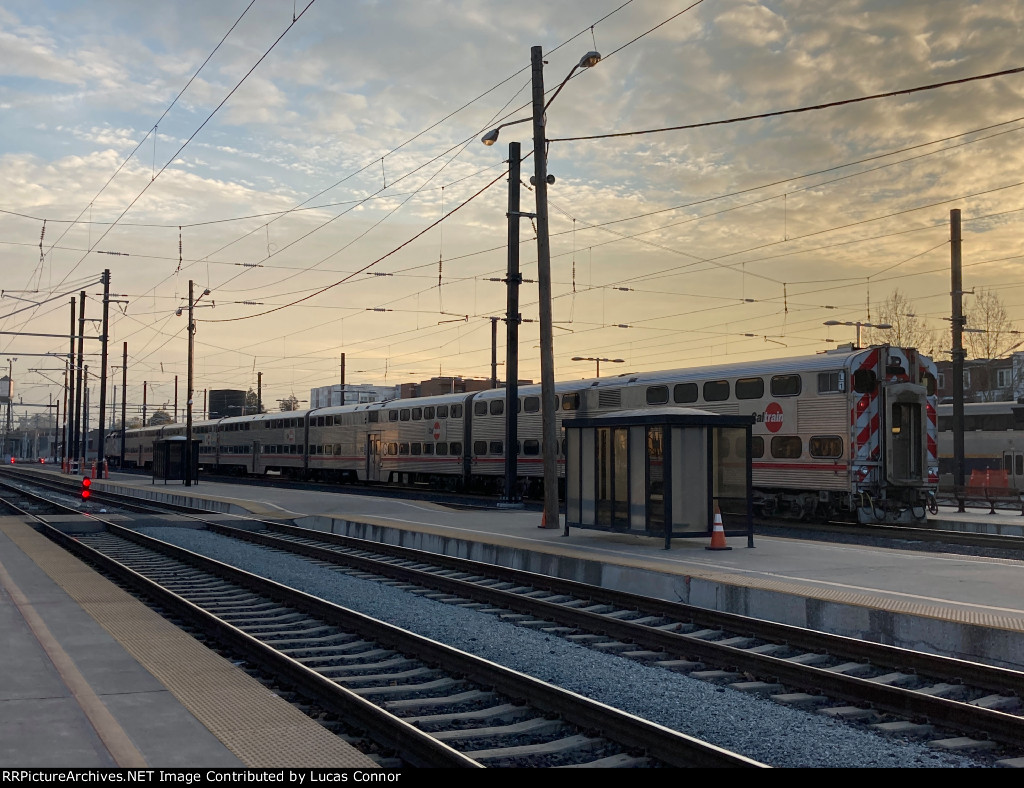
[(512, 280), (494, 352), (85, 419), (547, 351), (124, 399), (101, 449), (188, 392), (69, 385), (259, 392), (957, 292), (176, 396), (76, 453), (145, 391)]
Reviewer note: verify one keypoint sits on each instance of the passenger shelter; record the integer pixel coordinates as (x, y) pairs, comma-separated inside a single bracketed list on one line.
[(169, 457), (660, 472)]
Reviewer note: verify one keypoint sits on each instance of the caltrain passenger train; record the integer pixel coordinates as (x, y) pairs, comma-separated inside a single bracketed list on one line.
[(845, 433), (993, 440)]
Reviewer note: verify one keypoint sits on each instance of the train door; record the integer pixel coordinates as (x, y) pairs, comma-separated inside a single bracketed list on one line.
[(906, 442), (374, 456), (256, 459), (1013, 464)]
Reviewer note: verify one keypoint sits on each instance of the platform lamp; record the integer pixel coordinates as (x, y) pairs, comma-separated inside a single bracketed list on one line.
[(540, 181), (192, 304), (599, 360)]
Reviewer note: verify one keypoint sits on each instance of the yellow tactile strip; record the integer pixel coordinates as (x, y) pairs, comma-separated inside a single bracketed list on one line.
[(260, 728)]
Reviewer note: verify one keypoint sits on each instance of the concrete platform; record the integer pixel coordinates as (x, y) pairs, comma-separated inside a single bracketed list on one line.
[(962, 606), (93, 678)]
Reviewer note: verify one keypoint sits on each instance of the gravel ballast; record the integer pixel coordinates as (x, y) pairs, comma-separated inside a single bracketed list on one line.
[(756, 727)]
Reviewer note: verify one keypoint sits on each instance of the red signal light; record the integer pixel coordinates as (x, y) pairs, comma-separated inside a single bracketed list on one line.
[(12, 461), (86, 484)]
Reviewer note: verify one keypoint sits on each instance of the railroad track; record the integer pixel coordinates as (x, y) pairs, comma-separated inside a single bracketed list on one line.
[(433, 706), (895, 689)]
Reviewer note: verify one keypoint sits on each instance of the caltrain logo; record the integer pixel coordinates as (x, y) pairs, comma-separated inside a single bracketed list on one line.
[(772, 417)]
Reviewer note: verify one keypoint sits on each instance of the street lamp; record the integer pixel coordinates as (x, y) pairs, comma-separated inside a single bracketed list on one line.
[(547, 362), (859, 324), (192, 303), (599, 360)]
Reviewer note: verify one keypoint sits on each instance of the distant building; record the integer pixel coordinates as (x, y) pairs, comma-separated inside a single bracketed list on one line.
[(985, 379), (226, 402), (350, 394)]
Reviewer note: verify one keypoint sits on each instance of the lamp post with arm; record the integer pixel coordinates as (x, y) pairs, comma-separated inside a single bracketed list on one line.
[(541, 181)]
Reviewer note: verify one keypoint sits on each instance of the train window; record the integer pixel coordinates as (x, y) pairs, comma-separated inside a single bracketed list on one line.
[(393, 449), (519, 405), (404, 414), (392, 415), (442, 411), (570, 402), (479, 408), (456, 413), (657, 395), (441, 449), (337, 449), (785, 385), (428, 413), (829, 447), (497, 447), (456, 447), (716, 390), (403, 449), (832, 382), (750, 388), (531, 404), (563, 446), (1018, 464), (945, 423), (428, 448), (724, 449), (787, 447), (497, 407), (417, 449), (373, 417), (479, 447), (930, 385), (995, 422), (417, 414), (756, 447), (684, 392), (319, 421), (531, 447), (864, 381)]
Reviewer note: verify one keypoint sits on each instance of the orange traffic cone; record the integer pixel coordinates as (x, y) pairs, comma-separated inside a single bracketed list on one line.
[(718, 533)]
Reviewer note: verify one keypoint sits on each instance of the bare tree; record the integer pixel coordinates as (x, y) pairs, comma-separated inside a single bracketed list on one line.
[(989, 332), (989, 336), (908, 330), (252, 403), (160, 417)]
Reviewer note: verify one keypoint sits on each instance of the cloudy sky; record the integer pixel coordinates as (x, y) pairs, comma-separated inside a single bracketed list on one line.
[(273, 149)]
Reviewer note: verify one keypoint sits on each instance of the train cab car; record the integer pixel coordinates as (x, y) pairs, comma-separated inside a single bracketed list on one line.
[(847, 432)]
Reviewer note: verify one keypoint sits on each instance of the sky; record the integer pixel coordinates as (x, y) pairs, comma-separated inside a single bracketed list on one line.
[(317, 166)]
